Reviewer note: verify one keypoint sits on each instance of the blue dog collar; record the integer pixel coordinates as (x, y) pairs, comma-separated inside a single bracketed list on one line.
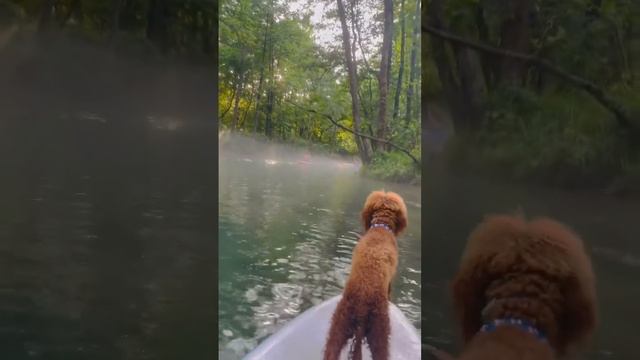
[(384, 226), (519, 323)]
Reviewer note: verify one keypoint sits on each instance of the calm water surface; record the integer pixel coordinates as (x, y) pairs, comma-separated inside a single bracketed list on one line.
[(288, 222), (609, 226), (107, 244)]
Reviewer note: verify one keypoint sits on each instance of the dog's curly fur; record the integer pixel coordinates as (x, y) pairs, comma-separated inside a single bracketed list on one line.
[(536, 271), (363, 311)]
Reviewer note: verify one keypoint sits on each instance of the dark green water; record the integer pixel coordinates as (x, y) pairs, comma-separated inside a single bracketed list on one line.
[(287, 228), (609, 227), (106, 239)]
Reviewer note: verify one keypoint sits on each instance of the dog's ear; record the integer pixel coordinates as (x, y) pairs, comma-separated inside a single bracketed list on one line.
[(580, 318), (467, 291), (400, 209), (374, 201), (577, 285)]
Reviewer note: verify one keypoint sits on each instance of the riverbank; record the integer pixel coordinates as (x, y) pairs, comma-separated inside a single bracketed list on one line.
[(481, 160), (612, 185)]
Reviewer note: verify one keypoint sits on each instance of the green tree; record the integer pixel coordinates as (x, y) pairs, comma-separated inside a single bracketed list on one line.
[(512, 72)]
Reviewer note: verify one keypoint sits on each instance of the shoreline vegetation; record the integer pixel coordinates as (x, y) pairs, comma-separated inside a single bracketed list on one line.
[(543, 93), (341, 80)]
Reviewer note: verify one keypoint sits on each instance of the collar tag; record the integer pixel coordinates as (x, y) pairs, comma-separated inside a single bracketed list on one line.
[(519, 323), (384, 226)]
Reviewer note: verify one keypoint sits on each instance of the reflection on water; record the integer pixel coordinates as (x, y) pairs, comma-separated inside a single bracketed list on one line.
[(106, 240), (288, 222), (609, 227)]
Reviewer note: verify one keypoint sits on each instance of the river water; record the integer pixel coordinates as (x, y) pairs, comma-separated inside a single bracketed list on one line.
[(107, 236), (288, 222)]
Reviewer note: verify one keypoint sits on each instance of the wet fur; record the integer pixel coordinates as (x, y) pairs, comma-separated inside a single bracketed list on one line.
[(363, 311), (541, 272)]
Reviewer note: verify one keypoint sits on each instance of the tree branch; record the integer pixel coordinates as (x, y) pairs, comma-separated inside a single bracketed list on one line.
[(407, 152), (610, 104)]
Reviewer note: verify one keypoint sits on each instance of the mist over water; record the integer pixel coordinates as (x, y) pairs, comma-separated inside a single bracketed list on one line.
[(288, 222)]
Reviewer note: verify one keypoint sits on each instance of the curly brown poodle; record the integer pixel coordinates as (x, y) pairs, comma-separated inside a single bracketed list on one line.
[(524, 290), (363, 311)]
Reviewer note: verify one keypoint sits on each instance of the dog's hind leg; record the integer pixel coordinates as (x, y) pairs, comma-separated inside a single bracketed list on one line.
[(340, 332), (379, 330)]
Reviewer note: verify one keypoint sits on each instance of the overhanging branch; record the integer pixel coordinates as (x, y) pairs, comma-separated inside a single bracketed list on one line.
[(610, 104), (407, 152)]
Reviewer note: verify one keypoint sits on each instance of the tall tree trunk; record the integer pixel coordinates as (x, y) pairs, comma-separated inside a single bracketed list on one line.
[(396, 101), (236, 106), (268, 126), (231, 103), (390, 56), (46, 14), (483, 34), (115, 19), (245, 114), (258, 95), (471, 80), (196, 23), (414, 68), (356, 26), (629, 41), (383, 126), (354, 31), (472, 84), (443, 64), (158, 23), (259, 92), (364, 147), (515, 36), (74, 6)]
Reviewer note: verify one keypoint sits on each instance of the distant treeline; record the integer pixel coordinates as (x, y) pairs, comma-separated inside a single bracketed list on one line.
[(170, 27)]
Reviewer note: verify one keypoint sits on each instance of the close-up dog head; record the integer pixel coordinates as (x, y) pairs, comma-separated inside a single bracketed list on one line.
[(387, 206), (543, 261)]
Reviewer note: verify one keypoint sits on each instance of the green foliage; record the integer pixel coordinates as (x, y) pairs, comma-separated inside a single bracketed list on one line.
[(531, 123), (430, 79), (392, 166), (276, 80), (9, 13), (567, 139)]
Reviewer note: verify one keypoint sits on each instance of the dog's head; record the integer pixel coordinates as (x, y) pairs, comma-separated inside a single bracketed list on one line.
[(389, 207), (504, 245)]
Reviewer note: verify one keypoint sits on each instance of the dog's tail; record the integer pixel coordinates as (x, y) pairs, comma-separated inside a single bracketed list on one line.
[(378, 326), (370, 321), (356, 345), (348, 322), (341, 330)]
